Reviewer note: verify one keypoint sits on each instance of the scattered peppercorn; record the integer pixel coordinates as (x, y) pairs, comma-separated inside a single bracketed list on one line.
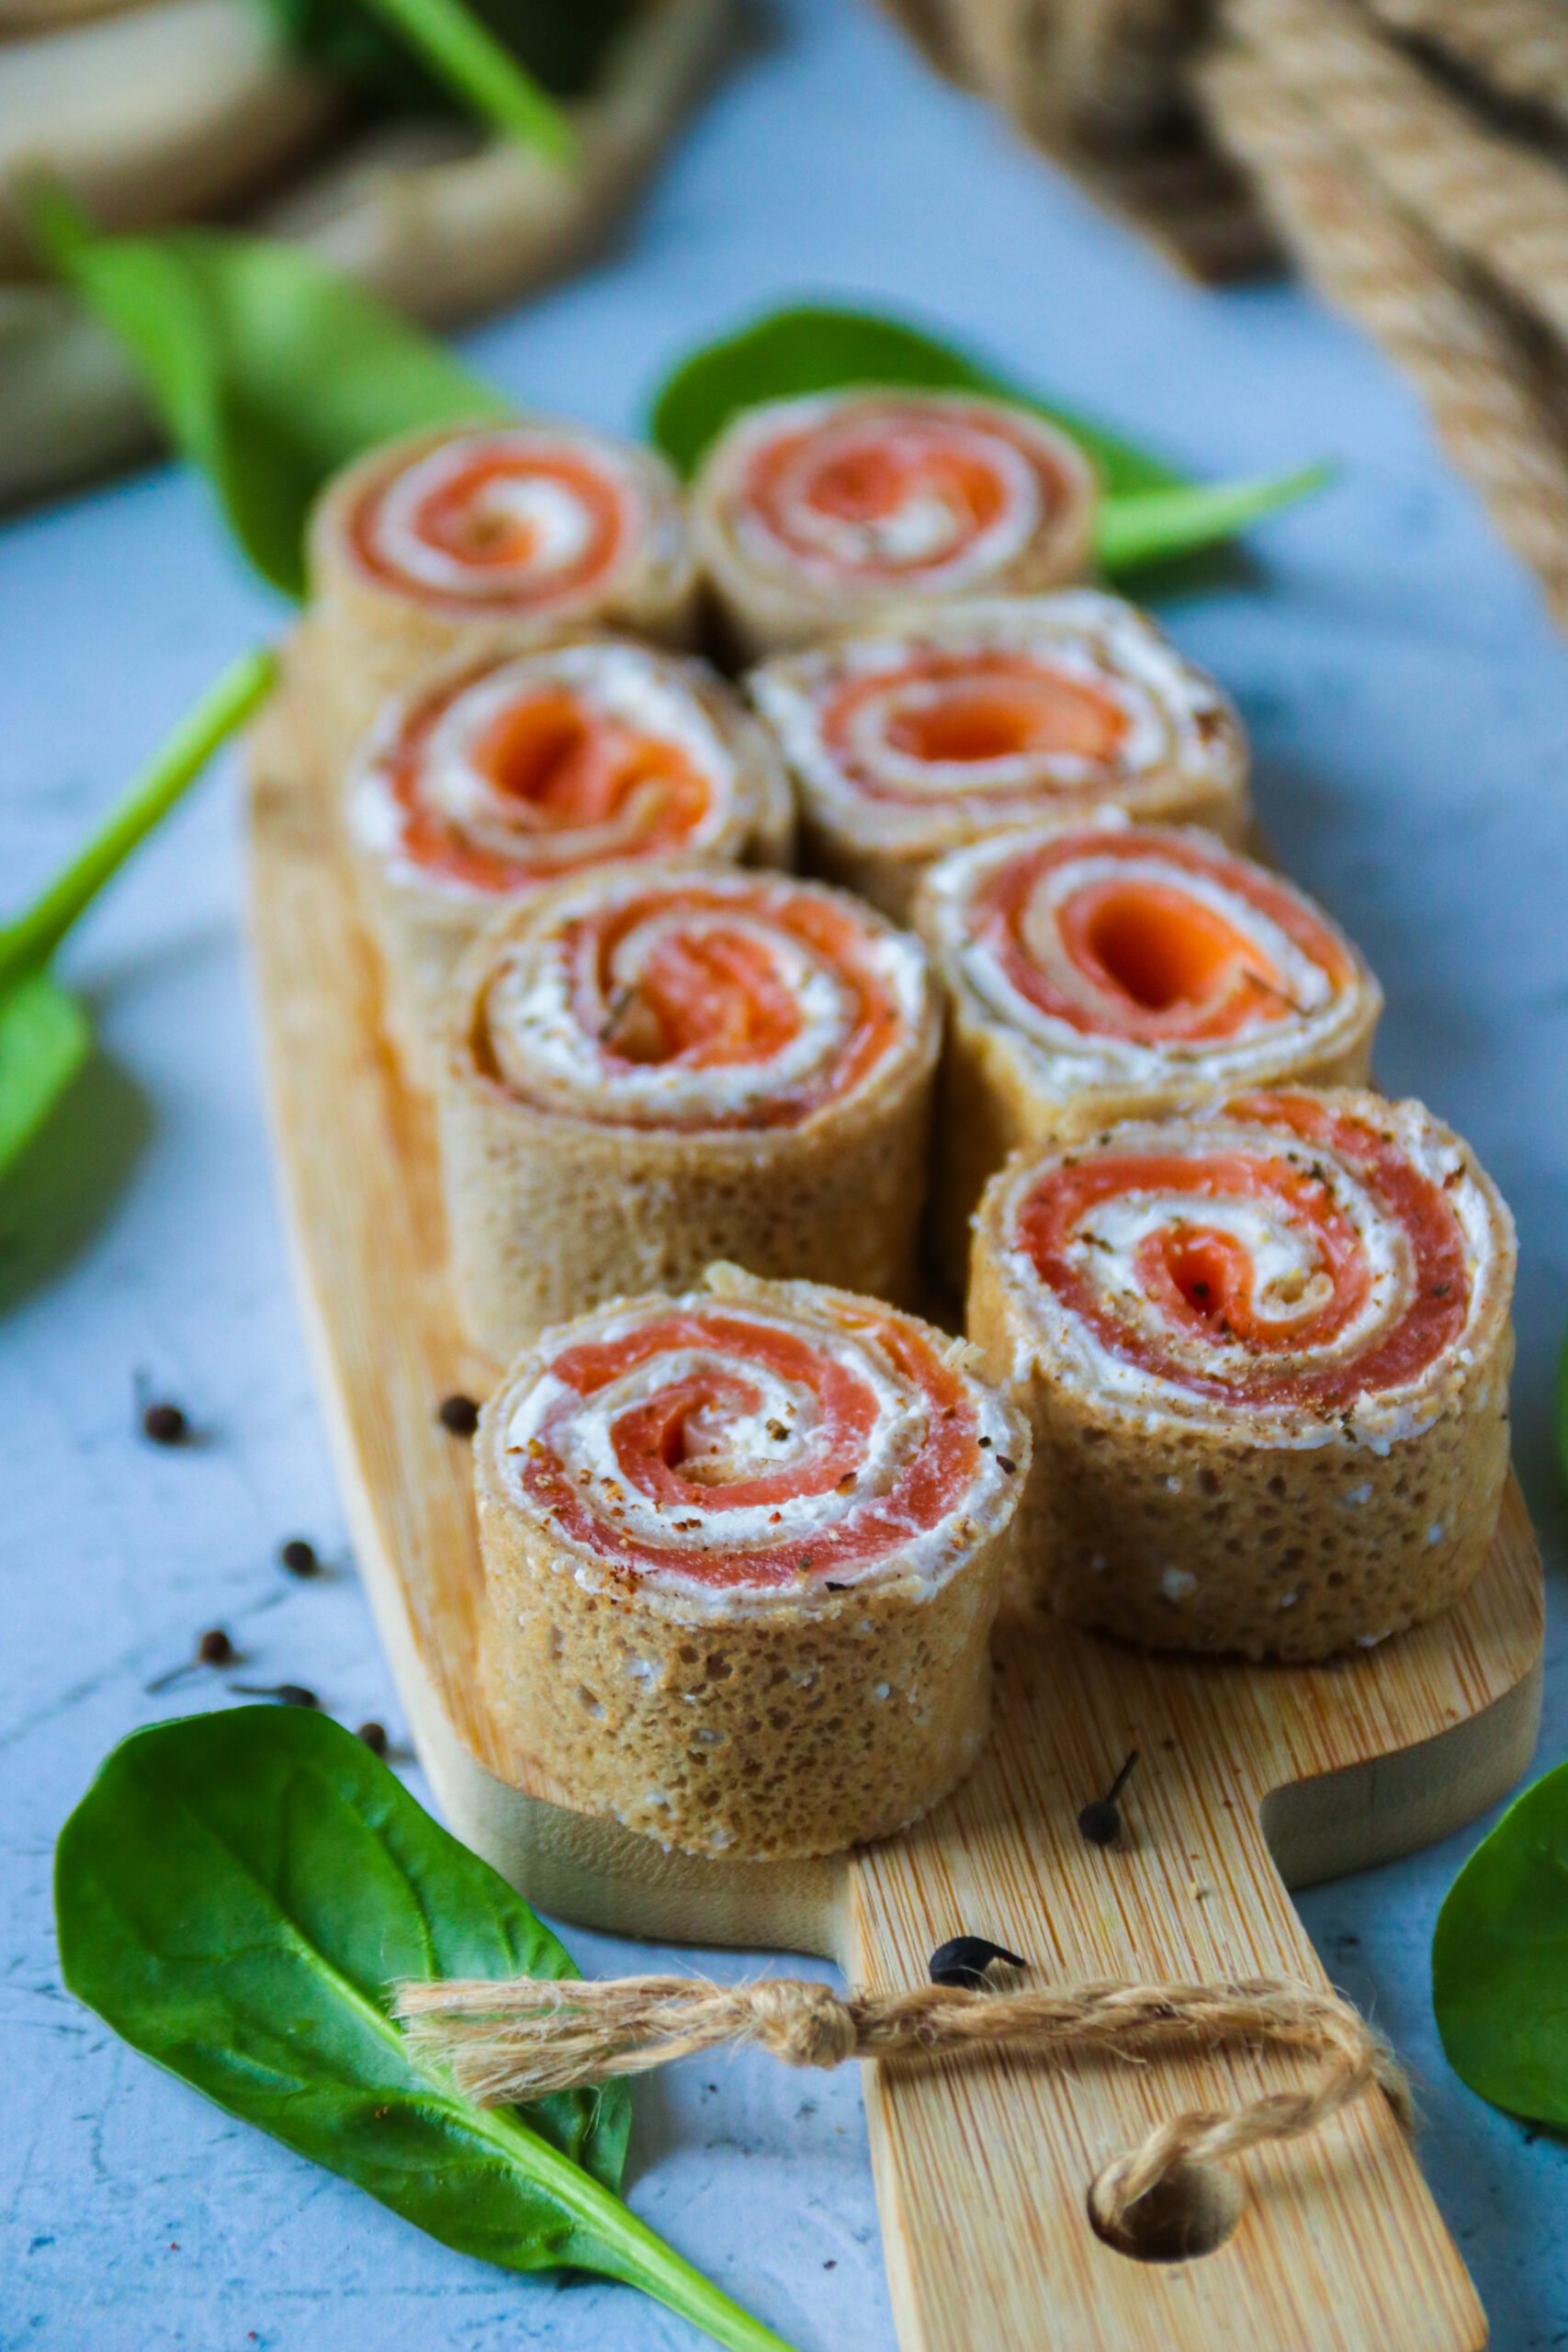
[(288, 1694), (1102, 1821), (165, 1424), (1006, 1464), (458, 1413), (965, 1959), (374, 1735), (299, 1558)]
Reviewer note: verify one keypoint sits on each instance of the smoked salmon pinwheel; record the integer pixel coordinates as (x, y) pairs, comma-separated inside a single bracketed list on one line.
[(810, 514), (744, 1550), (1108, 970), (485, 540), (1264, 1352), (998, 715), (495, 781), (655, 1066)]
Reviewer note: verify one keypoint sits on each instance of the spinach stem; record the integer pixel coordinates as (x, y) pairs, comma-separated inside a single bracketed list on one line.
[(477, 68), (31, 940), (1140, 526), (624, 2246)]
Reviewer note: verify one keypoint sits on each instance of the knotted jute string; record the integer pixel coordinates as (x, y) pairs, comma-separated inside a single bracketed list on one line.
[(515, 2040)]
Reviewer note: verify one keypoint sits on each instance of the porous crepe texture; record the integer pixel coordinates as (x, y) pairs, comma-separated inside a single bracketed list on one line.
[(765, 611), (810, 1721), (1174, 1533), (421, 931), (998, 1091), (365, 639), (551, 1214)]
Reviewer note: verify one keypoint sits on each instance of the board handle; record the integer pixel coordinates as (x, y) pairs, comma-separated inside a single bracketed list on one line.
[(984, 2166)]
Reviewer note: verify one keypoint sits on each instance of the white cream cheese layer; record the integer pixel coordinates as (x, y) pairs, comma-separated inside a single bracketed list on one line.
[(1300, 1020), (561, 524), (553, 1011), (781, 1430), (1175, 719), (929, 539), (614, 681), (1290, 1283)]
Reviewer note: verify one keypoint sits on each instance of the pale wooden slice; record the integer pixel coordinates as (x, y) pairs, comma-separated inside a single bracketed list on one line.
[(1251, 1778)]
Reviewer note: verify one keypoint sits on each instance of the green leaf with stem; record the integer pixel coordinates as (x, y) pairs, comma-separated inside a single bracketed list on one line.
[(267, 369), (238, 1895), (1149, 513), (482, 72), (562, 48), (44, 1034)]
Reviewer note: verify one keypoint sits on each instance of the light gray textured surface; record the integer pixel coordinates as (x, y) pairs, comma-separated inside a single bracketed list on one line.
[(1410, 706)]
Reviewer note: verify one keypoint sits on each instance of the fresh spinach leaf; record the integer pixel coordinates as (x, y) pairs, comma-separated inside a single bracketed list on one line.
[(267, 369), (563, 46), (44, 1034), (464, 51), (44, 1040), (1500, 1958), (1149, 513), (237, 1895)]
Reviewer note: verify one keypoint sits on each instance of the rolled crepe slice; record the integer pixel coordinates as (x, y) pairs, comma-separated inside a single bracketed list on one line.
[(811, 515), (497, 780), (1110, 970), (743, 1550), (996, 715), (655, 1066), (491, 539), (1264, 1352)]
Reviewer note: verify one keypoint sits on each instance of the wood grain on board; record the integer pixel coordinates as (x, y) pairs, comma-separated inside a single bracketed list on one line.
[(1250, 1778)]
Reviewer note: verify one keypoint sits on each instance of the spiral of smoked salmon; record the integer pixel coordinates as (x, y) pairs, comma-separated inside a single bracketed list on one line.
[(651, 1067), (996, 716), (1110, 971), (743, 1548), (1264, 1349), (493, 781), (493, 539), (810, 514)]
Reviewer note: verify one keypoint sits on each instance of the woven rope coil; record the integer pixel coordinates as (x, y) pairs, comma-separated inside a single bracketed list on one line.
[(1411, 153), (513, 2042)]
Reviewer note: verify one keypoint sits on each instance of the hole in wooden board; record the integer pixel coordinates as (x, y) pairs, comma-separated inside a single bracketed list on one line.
[(1192, 2211)]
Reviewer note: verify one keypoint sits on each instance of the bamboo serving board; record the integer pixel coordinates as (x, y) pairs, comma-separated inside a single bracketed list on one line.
[(1252, 1779)]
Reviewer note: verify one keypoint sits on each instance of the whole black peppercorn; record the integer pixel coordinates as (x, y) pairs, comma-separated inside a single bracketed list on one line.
[(458, 1413), (964, 1960), (212, 1648), (374, 1735), (288, 1694), (1100, 1822), (299, 1558), (165, 1424)]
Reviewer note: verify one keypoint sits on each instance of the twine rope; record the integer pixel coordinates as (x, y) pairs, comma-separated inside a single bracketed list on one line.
[(1519, 48), (1365, 253), (1487, 198), (511, 2042)]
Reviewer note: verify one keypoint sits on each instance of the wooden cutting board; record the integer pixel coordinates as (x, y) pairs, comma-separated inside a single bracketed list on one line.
[(1252, 1779)]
